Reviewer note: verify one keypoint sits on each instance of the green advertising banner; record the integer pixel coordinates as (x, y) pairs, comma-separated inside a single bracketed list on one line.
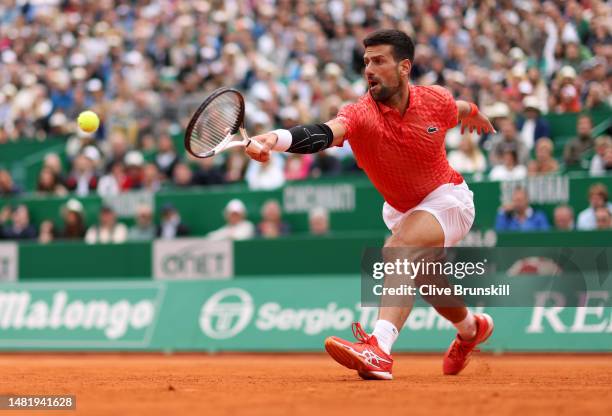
[(257, 314)]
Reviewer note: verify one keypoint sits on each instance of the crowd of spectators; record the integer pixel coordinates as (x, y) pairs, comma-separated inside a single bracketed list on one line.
[(518, 215), (144, 65), (15, 224)]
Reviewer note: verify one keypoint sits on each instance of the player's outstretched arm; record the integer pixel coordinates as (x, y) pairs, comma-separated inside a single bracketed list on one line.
[(472, 119), (310, 138)]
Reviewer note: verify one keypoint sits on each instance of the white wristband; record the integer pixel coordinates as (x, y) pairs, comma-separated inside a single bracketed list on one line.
[(284, 140)]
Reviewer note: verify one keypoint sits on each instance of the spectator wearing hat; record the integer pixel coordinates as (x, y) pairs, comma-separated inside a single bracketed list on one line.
[(19, 227), (564, 218), (598, 198), (74, 221), (108, 230), (519, 216), (237, 227), (565, 97), (134, 162), (579, 148), (544, 162), (144, 229), (531, 124), (171, 225)]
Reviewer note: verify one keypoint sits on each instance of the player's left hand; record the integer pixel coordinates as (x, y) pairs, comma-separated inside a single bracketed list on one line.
[(479, 123)]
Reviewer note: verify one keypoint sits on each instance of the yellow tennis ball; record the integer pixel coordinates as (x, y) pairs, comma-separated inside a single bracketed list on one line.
[(88, 121)]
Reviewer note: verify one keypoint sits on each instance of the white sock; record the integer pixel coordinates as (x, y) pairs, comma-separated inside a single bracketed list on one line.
[(386, 333), (467, 327)]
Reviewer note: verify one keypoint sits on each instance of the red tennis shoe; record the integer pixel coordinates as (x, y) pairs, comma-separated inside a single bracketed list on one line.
[(458, 354), (365, 356)]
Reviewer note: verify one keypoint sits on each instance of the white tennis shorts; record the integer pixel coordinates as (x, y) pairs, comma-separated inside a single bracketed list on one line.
[(452, 205)]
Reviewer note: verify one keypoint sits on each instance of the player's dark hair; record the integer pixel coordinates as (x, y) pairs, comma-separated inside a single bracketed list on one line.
[(403, 46)]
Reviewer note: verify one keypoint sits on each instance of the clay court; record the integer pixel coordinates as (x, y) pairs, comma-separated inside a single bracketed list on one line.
[(129, 384)]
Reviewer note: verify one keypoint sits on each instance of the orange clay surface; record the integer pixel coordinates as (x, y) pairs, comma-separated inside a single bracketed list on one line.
[(310, 384)]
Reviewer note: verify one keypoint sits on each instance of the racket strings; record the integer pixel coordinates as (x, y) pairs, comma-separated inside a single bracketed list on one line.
[(216, 121)]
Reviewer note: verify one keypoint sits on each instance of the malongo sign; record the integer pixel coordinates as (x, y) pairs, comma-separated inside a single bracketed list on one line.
[(74, 315)]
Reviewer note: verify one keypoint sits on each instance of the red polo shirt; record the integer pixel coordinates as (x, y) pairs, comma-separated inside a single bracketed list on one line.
[(404, 156)]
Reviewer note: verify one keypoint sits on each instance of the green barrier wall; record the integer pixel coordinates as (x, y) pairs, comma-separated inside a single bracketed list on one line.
[(337, 253), (289, 314), (353, 202), (297, 255)]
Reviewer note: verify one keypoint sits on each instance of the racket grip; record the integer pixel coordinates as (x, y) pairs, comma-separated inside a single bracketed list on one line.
[(254, 144)]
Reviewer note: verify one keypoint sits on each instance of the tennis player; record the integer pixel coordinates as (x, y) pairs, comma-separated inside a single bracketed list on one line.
[(397, 132)]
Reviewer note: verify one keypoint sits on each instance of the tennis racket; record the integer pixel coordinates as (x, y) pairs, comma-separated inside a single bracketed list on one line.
[(214, 126)]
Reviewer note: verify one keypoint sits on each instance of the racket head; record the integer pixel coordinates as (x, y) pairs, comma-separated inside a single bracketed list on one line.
[(214, 123)]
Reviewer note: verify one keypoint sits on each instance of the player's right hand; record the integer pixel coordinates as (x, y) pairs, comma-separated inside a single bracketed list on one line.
[(267, 142)]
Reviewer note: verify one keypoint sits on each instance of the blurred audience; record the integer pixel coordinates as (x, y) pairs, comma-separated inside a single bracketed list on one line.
[(272, 224), (267, 175), (531, 125), (237, 226), (108, 230), (544, 162), (134, 167), (598, 197), (144, 229), (19, 226), (601, 163), (468, 158), (46, 232), (114, 182), (509, 170), (297, 166), (325, 164), (517, 215), (49, 183), (171, 225), (207, 172), (564, 218), (83, 179), (166, 157), (580, 147), (74, 221), (183, 176), (318, 221), (507, 139), (7, 187), (603, 218)]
